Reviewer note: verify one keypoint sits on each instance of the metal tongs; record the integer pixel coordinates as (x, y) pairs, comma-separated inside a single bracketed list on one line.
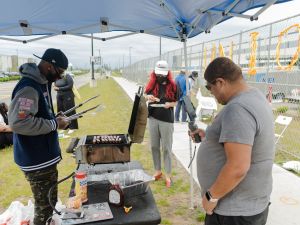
[(78, 115)]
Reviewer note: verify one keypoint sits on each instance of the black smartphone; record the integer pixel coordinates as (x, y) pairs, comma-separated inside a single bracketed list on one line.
[(72, 215)]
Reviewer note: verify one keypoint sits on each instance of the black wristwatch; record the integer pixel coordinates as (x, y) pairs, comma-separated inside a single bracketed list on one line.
[(210, 198)]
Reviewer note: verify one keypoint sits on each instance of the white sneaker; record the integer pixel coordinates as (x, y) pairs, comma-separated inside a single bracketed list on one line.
[(70, 131)]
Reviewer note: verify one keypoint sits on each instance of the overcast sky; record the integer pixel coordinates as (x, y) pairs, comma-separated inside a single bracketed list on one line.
[(142, 46)]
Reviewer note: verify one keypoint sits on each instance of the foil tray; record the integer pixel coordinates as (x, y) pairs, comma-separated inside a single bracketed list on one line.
[(132, 182)]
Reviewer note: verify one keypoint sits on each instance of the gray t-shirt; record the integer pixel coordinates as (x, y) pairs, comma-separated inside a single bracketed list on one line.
[(246, 119)]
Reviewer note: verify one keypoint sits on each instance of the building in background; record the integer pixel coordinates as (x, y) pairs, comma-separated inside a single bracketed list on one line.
[(11, 63)]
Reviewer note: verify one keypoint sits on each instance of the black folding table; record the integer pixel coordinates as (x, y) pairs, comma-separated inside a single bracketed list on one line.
[(144, 210)]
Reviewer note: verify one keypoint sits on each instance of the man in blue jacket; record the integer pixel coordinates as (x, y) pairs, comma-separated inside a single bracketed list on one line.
[(181, 85), (32, 119)]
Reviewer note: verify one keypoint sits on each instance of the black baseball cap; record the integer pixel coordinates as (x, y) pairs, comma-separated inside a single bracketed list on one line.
[(56, 57), (195, 73)]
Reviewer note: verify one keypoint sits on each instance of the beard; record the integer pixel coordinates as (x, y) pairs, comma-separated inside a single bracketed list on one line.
[(52, 77)]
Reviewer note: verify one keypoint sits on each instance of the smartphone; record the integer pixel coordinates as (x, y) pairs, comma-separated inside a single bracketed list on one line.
[(72, 215)]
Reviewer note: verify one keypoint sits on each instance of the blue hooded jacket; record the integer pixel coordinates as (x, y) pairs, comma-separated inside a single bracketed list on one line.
[(181, 82), (31, 117)]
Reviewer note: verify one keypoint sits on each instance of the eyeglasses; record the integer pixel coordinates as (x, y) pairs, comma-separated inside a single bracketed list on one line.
[(209, 84)]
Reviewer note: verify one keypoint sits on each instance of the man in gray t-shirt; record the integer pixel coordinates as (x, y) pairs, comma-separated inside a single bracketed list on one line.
[(236, 156)]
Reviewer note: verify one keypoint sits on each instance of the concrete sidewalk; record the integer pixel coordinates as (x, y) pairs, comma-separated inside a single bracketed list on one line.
[(285, 198)]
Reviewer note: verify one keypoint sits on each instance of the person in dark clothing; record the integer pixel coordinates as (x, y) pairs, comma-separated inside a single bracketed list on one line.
[(6, 136), (32, 119), (192, 79), (65, 98), (161, 93)]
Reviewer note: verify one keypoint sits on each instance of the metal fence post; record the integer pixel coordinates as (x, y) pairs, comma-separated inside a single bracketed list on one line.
[(269, 49), (240, 48)]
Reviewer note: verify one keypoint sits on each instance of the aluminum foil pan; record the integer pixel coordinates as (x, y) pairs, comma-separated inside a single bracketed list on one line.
[(132, 182)]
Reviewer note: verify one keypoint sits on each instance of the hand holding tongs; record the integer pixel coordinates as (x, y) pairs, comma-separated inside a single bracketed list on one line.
[(75, 107)]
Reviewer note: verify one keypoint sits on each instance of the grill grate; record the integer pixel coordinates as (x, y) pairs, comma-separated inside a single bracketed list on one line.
[(107, 139)]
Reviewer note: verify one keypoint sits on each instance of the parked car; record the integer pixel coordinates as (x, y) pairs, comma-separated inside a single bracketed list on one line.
[(12, 73), (2, 75), (276, 95)]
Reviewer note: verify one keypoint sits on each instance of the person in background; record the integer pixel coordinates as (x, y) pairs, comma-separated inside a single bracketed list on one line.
[(65, 98), (235, 158), (181, 85), (6, 136), (192, 80), (161, 93), (32, 119)]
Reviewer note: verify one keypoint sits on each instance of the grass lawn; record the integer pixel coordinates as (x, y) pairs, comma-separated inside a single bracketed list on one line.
[(114, 117)]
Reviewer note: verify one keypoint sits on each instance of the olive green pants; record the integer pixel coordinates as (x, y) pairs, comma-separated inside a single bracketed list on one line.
[(161, 136), (40, 182)]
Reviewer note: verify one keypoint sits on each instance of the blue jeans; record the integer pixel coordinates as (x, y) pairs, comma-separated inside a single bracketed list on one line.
[(179, 106)]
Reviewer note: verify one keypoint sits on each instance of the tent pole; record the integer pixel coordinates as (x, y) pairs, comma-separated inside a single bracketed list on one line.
[(185, 67), (190, 140), (92, 43)]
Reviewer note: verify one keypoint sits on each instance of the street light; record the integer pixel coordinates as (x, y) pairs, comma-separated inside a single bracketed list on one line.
[(130, 56)]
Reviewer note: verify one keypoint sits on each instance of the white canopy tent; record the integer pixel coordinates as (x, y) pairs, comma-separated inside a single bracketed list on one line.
[(175, 19)]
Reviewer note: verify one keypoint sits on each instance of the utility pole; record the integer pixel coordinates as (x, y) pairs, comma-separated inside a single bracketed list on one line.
[(92, 59), (17, 59), (130, 56), (100, 62), (93, 81), (159, 47)]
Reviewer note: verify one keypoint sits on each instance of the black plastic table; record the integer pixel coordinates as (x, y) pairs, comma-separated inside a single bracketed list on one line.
[(144, 210)]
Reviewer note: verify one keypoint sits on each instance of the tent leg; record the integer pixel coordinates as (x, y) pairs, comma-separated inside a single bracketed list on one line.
[(191, 176), (185, 67), (190, 140)]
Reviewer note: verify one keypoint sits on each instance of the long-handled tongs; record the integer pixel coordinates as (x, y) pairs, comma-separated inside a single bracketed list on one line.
[(77, 106), (79, 115)]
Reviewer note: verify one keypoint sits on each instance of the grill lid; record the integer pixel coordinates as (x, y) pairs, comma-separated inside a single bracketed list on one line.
[(138, 120)]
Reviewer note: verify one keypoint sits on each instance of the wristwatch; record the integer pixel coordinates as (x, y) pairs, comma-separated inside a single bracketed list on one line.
[(210, 198)]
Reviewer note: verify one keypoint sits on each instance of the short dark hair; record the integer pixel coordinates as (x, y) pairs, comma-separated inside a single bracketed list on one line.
[(222, 67), (195, 74)]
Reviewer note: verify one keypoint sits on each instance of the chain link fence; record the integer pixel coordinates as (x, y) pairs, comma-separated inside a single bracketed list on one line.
[(270, 61)]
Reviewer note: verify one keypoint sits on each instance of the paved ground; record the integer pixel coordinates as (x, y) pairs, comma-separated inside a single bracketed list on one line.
[(285, 198)]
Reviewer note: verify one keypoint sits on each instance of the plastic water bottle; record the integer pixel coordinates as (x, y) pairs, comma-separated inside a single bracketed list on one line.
[(81, 185)]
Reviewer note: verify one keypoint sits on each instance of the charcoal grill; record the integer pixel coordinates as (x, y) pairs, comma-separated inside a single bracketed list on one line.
[(114, 148)]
